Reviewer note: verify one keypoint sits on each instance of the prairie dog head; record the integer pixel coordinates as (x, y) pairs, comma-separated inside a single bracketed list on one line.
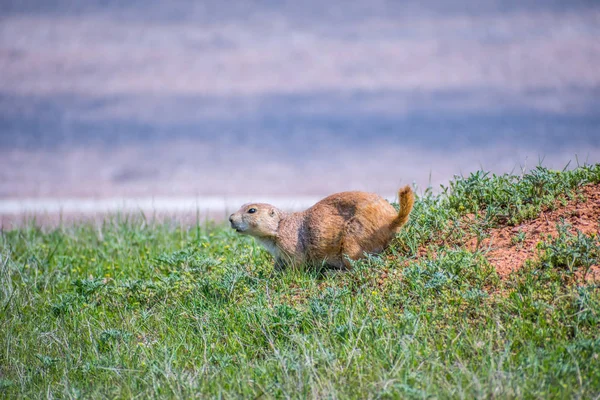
[(256, 219)]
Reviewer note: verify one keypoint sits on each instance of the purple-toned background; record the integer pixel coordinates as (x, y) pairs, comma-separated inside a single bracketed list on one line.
[(184, 98)]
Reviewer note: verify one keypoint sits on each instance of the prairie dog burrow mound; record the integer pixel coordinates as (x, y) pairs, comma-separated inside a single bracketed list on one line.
[(341, 226)]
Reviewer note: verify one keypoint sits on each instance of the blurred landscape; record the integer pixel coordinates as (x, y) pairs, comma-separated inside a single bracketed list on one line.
[(182, 99)]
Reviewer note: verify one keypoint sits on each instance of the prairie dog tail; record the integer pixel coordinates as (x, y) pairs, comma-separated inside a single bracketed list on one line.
[(406, 198)]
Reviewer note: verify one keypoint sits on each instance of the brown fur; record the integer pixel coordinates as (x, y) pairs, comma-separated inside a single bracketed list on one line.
[(341, 226)]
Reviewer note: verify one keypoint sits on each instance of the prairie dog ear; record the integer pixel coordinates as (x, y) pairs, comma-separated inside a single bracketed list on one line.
[(272, 212)]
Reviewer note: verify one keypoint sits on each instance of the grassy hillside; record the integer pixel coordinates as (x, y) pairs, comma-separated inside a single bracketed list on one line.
[(132, 308)]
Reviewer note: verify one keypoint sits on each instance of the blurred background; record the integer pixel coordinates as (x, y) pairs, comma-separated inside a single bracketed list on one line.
[(201, 100)]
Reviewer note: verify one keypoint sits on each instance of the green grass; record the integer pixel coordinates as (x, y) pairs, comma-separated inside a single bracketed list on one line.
[(130, 308)]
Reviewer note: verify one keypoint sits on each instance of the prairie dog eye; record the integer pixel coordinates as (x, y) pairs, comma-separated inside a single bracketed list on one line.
[(252, 211)]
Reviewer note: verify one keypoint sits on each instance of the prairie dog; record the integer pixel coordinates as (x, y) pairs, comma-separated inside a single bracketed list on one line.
[(341, 226)]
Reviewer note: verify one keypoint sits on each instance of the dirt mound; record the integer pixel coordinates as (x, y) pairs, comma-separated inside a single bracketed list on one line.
[(508, 247)]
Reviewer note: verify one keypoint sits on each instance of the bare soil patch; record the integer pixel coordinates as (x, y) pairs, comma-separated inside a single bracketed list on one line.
[(507, 254)]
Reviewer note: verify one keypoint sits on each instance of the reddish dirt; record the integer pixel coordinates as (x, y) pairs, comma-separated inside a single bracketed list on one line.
[(507, 256)]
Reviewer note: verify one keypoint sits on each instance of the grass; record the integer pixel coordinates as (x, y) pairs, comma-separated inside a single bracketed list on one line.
[(131, 308)]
